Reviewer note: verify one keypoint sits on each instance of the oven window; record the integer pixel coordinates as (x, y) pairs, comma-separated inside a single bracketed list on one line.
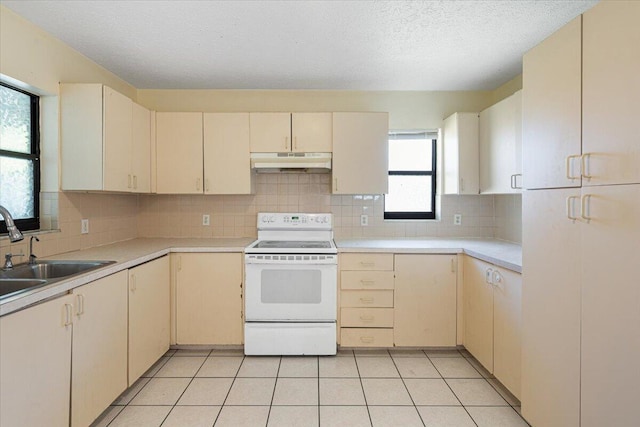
[(291, 287)]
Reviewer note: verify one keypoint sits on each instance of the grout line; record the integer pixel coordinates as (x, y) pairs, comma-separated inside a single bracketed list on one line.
[(273, 393), (229, 391), (454, 393), (408, 392), (355, 359)]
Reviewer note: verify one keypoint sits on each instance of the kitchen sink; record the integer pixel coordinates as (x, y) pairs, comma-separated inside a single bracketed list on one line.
[(24, 277)]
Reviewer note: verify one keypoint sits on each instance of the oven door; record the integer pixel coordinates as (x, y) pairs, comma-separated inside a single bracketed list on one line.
[(295, 289)]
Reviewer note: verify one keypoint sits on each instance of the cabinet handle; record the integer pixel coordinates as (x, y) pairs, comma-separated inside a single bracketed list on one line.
[(453, 265), (368, 282), (133, 283), (129, 181), (335, 184), (366, 340), (488, 276), (568, 166), (135, 182), (514, 181), (367, 263), (570, 208), (286, 143), (584, 163), (198, 184), (80, 310), (206, 185), (585, 207), (461, 184), (179, 263), (366, 300), (295, 142), (496, 279), (68, 308), (367, 318)]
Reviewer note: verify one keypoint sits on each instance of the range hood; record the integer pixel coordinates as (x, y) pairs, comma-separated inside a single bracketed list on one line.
[(291, 162)]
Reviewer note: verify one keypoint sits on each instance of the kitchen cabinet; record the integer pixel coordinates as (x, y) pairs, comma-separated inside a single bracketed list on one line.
[(227, 165), (97, 140), (35, 364), (366, 300), (208, 289), (425, 300), (610, 92), (179, 153), (360, 153), (460, 144), (501, 146), (141, 149), (148, 315), (493, 319), (296, 132), (551, 110), (99, 348)]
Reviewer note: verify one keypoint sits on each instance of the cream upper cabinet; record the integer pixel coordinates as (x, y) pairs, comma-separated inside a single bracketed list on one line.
[(610, 249), (610, 93), (99, 347), (551, 110), (425, 300), (460, 154), (179, 155), (360, 153), (227, 164), (311, 132), (141, 149), (501, 146), (148, 315), (35, 364), (551, 307), (208, 298), (297, 132), (97, 140), (478, 310)]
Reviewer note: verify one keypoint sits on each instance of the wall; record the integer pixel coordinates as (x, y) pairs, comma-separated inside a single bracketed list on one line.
[(508, 217)]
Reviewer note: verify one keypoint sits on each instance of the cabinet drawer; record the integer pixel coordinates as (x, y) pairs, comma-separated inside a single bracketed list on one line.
[(366, 261), (366, 299), (366, 337), (366, 317), (366, 279)]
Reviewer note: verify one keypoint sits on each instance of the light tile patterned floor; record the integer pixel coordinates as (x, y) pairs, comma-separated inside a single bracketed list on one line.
[(406, 388)]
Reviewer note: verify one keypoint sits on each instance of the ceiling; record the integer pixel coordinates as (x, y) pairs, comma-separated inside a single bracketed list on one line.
[(305, 44)]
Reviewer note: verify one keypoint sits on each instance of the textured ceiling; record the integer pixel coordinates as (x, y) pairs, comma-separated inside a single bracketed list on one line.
[(342, 45)]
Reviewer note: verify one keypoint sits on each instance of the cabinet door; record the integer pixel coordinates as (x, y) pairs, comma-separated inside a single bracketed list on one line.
[(148, 315), (460, 154), (507, 328), (500, 126), (311, 132), (551, 110), (551, 308), (117, 127), (478, 310), (425, 300), (141, 150), (360, 153), (209, 299), (611, 306), (227, 164), (179, 153), (610, 93), (99, 348), (35, 365), (270, 132)]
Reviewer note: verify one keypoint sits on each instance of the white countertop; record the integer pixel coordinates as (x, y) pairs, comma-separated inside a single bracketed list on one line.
[(504, 254)]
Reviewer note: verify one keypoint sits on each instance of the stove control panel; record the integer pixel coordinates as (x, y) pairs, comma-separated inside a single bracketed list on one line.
[(320, 221)]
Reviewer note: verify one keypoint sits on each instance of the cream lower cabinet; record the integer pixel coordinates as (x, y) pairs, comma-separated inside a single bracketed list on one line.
[(149, 308), (208, 298), (425, 300), (35, 365), (478, 310), (366, 300), (99, 370)]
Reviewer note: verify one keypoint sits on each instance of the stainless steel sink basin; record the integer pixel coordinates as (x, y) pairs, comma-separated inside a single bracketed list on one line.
[(24, 277)]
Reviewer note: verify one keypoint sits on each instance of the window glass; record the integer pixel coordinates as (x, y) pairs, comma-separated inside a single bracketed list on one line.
[(409, 193), (16, 178), (409, 154), (15, 120)]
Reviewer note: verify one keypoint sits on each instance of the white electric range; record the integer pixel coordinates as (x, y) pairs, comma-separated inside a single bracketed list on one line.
[(291, 275)]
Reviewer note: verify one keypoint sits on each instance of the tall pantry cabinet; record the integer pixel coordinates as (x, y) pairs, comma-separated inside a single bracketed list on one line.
[(581, 227)]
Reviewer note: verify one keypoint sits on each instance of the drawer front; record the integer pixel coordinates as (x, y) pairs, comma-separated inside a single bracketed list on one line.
[(366, 279), (366, 299), (366, 261), (366, 317), (366, 337)]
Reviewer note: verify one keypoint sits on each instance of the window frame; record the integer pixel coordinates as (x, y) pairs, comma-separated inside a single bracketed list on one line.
[(33, 223), (418, 215)]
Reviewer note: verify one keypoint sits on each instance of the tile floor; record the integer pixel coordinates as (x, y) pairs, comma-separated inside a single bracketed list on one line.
[(356, 388)]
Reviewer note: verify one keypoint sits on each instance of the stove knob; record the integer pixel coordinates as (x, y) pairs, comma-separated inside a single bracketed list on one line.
[(265, 219), (272, 218)]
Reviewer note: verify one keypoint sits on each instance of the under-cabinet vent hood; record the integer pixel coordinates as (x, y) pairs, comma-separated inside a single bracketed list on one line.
[(291, 162)]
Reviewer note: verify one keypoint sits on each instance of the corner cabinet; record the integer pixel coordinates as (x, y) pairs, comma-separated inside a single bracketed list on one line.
[(360, 153), (208, 298), (460, 154), (295, 132), (35, 364), (100, 148)]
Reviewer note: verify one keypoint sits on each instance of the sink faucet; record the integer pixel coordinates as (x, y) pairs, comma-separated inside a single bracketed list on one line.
[(32, 257), (14, 234)]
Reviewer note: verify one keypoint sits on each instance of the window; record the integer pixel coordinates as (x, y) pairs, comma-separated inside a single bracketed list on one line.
[(412, 176), (19, 157)]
